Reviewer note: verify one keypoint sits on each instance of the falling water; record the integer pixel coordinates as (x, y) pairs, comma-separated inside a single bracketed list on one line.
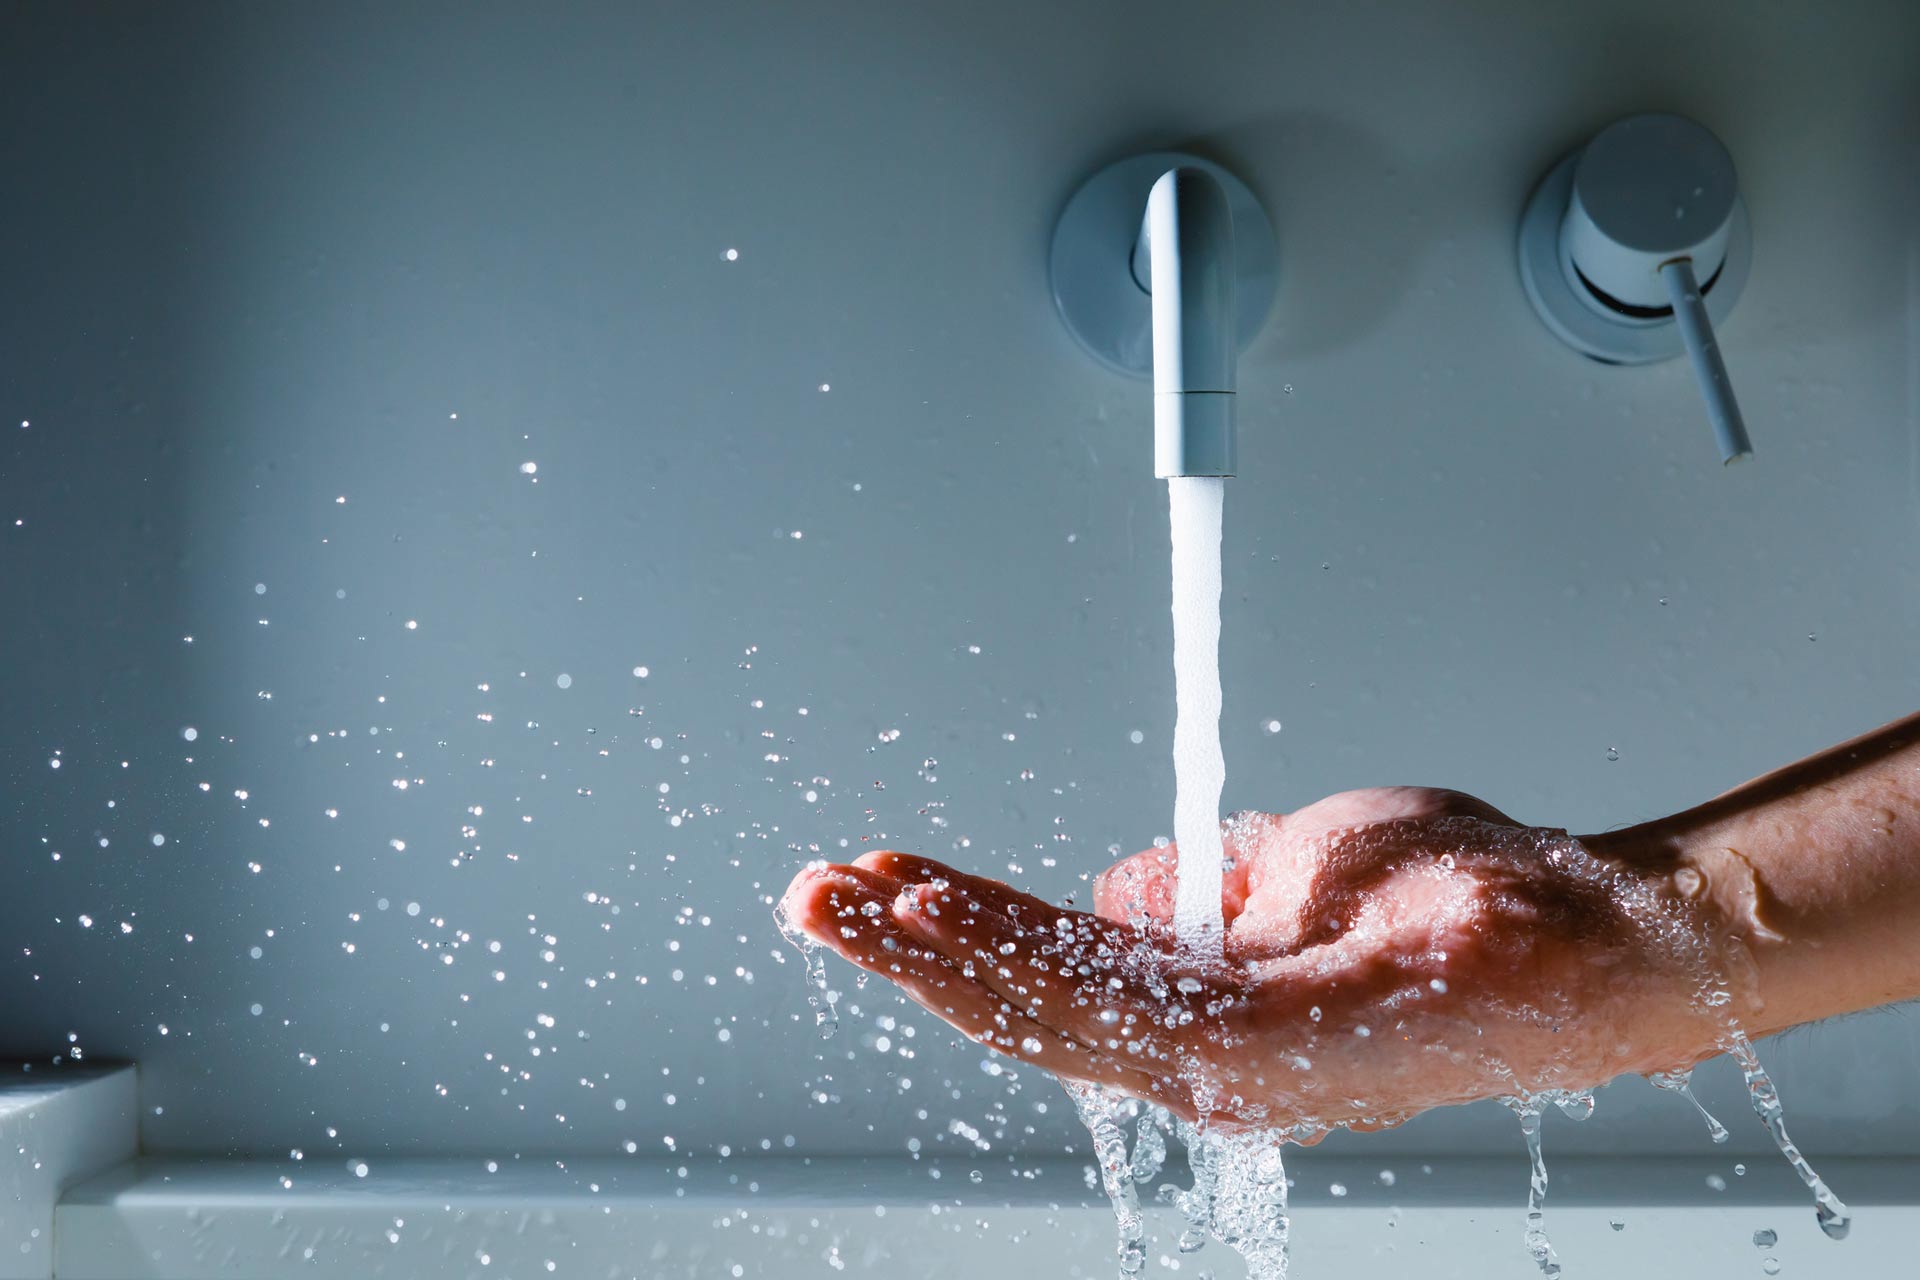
[(1196, 1202), (1833, 1215), (1195, 505), (1239, 1195), (821, 998), (1102, 1110), (1537, 1243), (1681, 1082), (1150, 1146)]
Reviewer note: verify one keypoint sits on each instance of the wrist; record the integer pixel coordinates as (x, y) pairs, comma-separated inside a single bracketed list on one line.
[(1699, 925)]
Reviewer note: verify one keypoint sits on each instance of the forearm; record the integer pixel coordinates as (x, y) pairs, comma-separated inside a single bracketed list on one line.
[(1813, 871)]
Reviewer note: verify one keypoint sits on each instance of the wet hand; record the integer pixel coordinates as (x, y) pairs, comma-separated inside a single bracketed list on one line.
[(1386, 951)]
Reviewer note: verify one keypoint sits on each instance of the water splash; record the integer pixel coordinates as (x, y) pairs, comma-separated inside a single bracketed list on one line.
[(1538, 1244), (1681, 1082), (1195, 506), (1102, 1111), (1834, 1217)]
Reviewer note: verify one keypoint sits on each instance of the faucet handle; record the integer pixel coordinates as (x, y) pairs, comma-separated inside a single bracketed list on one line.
[(1696, 330), (1635, 245)]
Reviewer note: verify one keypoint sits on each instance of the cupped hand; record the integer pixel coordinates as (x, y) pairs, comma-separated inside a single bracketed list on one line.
[(1386, 951)]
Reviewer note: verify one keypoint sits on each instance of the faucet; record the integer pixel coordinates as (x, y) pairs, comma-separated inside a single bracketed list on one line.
[(1164, 264)]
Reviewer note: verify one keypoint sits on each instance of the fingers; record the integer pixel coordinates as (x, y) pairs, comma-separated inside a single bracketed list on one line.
[(907, 868), (1140, 887), (1104, 985), (848, 910)]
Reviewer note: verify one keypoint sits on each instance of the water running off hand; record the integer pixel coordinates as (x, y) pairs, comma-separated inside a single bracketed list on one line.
[(1828, 1209), (821, 998)]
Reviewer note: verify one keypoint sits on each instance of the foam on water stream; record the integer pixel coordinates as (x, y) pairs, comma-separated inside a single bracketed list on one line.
[(1195, 505)]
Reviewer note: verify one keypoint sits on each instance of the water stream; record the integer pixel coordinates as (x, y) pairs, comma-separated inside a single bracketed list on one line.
[(1195, 506)]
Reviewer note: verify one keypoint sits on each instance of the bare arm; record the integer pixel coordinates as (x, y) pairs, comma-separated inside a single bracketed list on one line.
[(1815, 867)]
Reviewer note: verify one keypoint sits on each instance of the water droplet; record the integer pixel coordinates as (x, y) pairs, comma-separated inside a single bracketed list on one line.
[(564, 680), (1681, 1082), (1613, 753), (1765, 1238)]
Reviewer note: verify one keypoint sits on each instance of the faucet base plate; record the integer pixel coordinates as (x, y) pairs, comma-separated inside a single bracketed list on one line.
[(1568, 306), (1091, 264)]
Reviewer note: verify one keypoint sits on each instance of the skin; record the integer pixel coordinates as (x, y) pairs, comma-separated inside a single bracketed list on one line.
[(1395, 949)]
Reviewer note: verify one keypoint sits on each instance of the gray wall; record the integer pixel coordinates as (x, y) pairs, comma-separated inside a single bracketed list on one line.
[(261, 257)]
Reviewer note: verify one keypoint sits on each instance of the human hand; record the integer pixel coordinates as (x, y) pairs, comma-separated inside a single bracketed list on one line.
[(1387, 951)]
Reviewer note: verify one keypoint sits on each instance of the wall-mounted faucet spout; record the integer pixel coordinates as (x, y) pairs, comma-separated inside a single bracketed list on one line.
[(1184, 258), (1165, 264)]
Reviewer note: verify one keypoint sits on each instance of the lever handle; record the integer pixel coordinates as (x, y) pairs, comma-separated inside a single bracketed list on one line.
[(1703, 350)]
